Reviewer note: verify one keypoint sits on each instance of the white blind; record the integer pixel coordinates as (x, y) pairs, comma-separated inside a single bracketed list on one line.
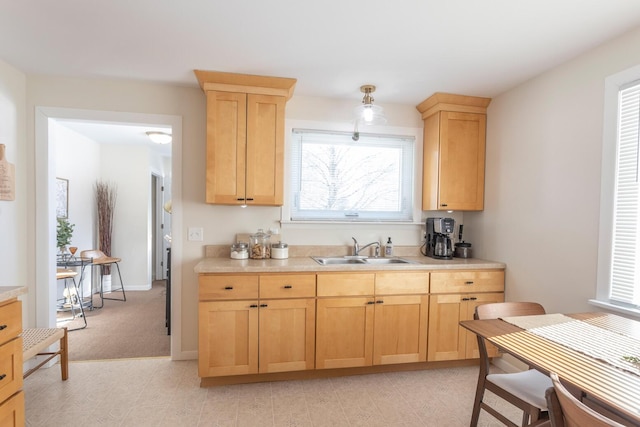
[(625, 283)]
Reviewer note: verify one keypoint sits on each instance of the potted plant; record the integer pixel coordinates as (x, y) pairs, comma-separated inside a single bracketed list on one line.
[(64, 232)]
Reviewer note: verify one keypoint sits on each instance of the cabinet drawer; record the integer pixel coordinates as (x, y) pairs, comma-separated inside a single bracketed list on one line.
[(288, 286), (467, 281), (10, 368), (345, 284), (12, 411), (223, 287), (10, 320), (389, 283)]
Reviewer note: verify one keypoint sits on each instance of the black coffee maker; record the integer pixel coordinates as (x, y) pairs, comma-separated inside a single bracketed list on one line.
[(438, 237)]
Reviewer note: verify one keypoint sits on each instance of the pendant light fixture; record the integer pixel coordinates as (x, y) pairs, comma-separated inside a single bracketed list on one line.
[(367, 113)]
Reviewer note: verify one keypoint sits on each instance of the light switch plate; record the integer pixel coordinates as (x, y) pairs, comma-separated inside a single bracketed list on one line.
[(195, 234)]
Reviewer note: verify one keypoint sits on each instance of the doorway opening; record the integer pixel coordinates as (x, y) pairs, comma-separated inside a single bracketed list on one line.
[(141, 235)]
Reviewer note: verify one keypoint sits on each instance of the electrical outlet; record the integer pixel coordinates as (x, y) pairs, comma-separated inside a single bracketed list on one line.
[(195, 234)]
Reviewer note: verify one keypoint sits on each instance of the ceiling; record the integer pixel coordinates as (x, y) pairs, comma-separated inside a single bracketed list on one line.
[(409, 49)]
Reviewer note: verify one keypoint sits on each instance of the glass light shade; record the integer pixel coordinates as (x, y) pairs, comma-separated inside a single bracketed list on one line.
[(369, 114), (160, 137)]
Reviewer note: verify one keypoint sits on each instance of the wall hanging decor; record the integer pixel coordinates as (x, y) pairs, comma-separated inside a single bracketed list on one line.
[(7, 177)]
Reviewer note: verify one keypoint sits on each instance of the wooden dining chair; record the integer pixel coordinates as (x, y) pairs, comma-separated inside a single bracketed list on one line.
[(567, 411), (525, 389)]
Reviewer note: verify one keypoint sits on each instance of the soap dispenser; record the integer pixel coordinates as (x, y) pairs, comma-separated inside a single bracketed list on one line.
[(388, 248)]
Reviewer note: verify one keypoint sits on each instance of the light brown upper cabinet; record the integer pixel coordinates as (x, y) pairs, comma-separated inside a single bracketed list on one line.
[(245, 137), (454, 152)]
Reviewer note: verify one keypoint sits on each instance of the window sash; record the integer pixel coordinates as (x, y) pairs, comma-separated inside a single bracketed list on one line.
[(351, 187)]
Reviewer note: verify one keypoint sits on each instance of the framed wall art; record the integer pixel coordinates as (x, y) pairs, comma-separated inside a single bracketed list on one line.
[(62, 198)]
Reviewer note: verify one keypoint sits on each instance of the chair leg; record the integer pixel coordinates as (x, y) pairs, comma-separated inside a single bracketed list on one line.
[(475, 415), (124, 296), (79, 300), (64, 356)]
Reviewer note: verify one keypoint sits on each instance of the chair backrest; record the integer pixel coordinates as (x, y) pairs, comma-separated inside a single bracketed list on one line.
[(567, 411), (92, 253), (503, 309)]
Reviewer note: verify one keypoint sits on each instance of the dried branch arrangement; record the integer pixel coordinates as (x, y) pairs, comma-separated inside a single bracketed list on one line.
[(106, 202)]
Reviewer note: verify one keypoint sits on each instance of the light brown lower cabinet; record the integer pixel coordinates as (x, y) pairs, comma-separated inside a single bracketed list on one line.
[(11, 394), (371, 327), (454, 297), (261, 335), (270, 323)]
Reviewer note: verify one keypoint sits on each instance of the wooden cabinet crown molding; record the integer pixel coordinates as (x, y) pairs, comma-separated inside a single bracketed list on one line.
[(245, 83), (440, 101)]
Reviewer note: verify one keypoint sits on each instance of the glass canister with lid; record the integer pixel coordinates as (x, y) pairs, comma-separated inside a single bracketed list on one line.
[(240, 250), (279, 250), (260, 245)]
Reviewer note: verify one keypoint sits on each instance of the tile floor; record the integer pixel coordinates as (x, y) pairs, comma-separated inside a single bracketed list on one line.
[(159, 392)]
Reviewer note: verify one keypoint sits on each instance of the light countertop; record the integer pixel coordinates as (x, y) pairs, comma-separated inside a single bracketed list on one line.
[(307, 264), (8, 292)]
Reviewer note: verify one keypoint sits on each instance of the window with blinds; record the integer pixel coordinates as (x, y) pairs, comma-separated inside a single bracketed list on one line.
[(625, 253), (337, 178)]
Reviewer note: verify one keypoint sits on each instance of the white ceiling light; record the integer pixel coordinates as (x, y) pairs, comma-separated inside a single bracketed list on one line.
[(367, 113), (159, 137)]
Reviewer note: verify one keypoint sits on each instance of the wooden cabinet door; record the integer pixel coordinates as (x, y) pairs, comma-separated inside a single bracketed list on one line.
[(287, 335), (265, 149), (446, 339), (400, 331), (227, 338), (471, 347), (462, 157), (344, 332), (12, 411), (226, 147)]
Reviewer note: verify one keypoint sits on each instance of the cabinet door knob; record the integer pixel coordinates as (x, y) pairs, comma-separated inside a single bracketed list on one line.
[(288, 286), (3, 327), (228, 288), (3, 376)]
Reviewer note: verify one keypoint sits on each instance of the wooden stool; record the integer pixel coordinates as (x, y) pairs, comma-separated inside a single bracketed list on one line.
[(36, 340), (98, 258)]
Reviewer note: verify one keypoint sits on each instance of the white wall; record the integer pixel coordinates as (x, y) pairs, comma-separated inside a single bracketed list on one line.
[(544, 144), (14, 230)]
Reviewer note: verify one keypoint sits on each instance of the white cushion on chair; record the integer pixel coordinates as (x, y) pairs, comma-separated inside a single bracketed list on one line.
[(529, 386)]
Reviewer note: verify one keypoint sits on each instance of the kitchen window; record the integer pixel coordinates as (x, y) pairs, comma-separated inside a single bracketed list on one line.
[(336, 176), (619, 255)]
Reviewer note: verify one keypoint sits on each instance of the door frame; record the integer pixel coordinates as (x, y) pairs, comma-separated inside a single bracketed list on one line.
[(45, 218)]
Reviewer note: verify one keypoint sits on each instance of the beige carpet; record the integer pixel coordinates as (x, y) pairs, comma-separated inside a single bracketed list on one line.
[(119, 330)]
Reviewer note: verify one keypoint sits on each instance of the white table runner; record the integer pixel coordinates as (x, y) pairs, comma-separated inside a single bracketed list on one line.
[(603, 344)]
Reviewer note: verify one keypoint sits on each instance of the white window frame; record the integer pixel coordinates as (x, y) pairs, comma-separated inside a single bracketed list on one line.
[(613, 85), (415, 132)]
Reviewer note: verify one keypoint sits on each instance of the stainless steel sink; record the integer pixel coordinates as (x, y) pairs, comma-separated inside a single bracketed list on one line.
[(346, 260), (388, 261)]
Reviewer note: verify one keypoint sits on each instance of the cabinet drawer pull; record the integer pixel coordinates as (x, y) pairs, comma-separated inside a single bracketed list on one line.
[(370, 302), (3, 327), (240, 199), (253, 306), (473, 298), (444, 205), (465, 299), (228, 288), (469, 282), (380, 302), (264, 305), (3, 376), (288, 286), (249, 199)]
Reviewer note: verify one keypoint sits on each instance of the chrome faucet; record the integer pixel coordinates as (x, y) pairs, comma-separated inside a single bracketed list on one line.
[(357, 248)]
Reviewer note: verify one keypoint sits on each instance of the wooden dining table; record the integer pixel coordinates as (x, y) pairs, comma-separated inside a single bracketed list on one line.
[(574, 353)]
